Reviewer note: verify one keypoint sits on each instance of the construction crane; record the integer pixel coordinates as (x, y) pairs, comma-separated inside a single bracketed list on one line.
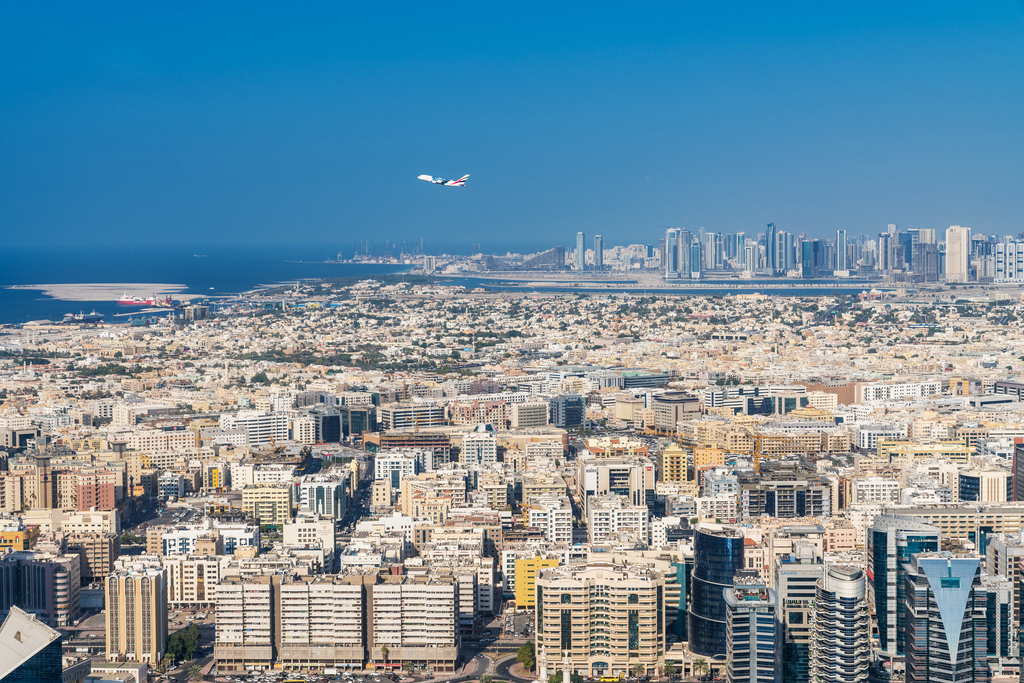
[(759, 439)]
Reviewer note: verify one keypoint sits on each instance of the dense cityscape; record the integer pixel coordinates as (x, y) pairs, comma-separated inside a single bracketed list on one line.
[(667, 342), (405, 477)]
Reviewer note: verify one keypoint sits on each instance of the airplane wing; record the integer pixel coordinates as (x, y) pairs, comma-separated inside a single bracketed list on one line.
[(431, 179), (461, 182)]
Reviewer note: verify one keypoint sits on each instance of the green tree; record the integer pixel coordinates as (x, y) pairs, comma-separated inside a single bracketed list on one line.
[(182, 645), (670, 670), (700, 666), (486, 678), (573, 678), (638, 669), (527, 656), (195, 672), (407, 667)]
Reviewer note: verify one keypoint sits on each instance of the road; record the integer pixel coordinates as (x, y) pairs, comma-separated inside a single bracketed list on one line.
[(474, 669), (503, 670)]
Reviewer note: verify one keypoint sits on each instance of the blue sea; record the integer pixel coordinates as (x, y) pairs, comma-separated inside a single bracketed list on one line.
[(219, 271)]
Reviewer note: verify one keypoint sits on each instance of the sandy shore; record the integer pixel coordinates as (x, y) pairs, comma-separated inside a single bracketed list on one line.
[(103, 291)]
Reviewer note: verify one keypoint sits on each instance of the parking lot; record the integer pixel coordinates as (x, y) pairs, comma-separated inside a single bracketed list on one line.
[(518, 625)]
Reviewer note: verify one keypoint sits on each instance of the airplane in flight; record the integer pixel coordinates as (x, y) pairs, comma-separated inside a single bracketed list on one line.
[(461, 182)]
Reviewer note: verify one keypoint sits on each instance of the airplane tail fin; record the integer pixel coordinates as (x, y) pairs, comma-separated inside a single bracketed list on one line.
[(461, 181)]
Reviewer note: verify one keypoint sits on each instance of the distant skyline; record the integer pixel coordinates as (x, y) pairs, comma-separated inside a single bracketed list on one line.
[(231, 123)]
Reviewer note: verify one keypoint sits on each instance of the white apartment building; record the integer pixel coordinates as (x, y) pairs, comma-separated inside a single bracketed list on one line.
[(273, 474), (155, 440), (613, 514), (553, 514), (875, 392), (325, 494), (312, 531), (245, 623), (322, 622), (479, 446), (181, 540), (394, 467), (417, 619), (874, 490), (303, 429), (528, 414), (869, 434), (192, 579), (260, 426), (721, 506), (1010, 261)]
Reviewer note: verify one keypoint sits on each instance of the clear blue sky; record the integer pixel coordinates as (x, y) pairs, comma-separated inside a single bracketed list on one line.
[(220, 123)]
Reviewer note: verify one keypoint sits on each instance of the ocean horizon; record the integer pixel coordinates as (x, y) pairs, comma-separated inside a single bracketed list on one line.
[(217, 270)]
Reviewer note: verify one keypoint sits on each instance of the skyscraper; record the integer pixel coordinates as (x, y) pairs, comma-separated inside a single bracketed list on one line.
[(795, 577), (958, 253), (753, 639), (809, 264), (770, 251), (581, 251), (946, 630), (684, 254), (841, 263), (840, 628), (598, 252), (718, 555), (672, 238), (891, 541)]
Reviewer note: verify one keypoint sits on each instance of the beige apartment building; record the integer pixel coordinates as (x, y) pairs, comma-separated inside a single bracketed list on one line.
[(136, 615), (608, 617)]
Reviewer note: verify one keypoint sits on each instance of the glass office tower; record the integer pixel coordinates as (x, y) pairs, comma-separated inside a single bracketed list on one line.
[(718, 555)]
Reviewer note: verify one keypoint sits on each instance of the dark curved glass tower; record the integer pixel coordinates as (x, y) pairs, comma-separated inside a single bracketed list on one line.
[(717, 555)]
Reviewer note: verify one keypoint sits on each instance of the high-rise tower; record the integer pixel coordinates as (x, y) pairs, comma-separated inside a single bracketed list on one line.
[(840, 628)]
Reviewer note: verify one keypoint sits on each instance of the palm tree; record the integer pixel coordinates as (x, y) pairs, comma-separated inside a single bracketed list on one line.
[(195, 672), (670, 670), (700, 666), (638, 670), (384, 654)]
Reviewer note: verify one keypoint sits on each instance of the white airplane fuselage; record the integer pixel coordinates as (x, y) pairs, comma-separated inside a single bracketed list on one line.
[(461, 182)]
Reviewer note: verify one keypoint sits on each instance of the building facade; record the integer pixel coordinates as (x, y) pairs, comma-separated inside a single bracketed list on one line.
[(607, 617)]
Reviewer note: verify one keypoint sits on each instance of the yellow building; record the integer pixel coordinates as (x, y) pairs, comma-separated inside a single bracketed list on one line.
[(956, 451), (809, 413), (20, 539), (707, 456), (673, 463), (526, 580), (269, 503)]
